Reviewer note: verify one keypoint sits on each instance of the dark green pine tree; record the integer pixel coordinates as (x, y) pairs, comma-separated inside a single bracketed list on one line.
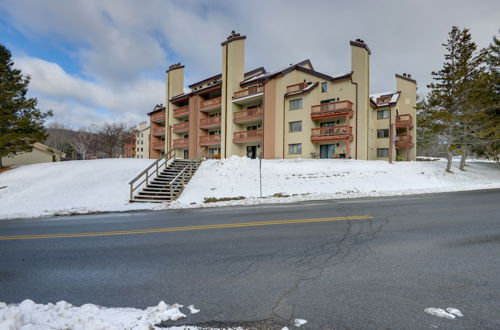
[(450, 101), (21, 123), (487, 97)]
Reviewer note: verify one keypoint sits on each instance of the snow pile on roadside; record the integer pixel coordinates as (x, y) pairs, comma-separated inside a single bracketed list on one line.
[(81, 186), (450, 313), (302, 179), (63, 315)]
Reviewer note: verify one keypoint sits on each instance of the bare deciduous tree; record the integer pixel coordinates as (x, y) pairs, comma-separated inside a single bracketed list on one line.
[(112, 137), (83, 141)]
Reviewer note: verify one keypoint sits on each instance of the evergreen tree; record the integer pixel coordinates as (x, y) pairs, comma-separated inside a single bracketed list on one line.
[(21, 123), (450, 101), (487, 96)]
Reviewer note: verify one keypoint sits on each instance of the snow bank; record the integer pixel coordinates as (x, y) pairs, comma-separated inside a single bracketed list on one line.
[(81, 186), (304, 179), (63, 315)]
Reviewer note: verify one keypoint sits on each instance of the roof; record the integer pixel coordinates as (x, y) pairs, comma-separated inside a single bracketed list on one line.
[(157, 108), (384, 99), (269, 75), (218, 76), (46, 148)]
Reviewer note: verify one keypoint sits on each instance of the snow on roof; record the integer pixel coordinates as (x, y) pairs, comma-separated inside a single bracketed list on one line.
[(394, 98)]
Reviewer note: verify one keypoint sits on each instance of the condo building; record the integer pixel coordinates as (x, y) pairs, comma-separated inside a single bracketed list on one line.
[(142, 133), (292, 112)]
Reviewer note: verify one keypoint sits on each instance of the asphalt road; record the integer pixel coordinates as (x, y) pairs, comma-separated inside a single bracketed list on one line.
[(439, 250)]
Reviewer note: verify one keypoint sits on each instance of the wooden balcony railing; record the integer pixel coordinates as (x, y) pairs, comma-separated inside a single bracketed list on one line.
[(181, 127), (158, 117), (248, 115), (331, 133), (248, 91), (210, 140), (296, 87), (405, 120), (211, 103), (210, 122), (181, 112), (248, 136), (333, 109), (158, 145), (181, 143), (159, 131), (404, 140)]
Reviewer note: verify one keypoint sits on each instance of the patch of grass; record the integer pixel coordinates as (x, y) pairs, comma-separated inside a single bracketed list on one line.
[(222, 199), (280, 195), (423, 159)]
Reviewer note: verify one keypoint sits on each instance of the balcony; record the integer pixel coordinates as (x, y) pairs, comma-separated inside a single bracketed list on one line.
[(181, 143), (158, 145), (211, 104), (247, 116), (296, 87), (181, 127), (331, 110), (210, 140), (210, 122), (404, 141), (331, 133), (181, 112), (248, 136), (404, 121), (158, 131), (158, 117), (248, 95)]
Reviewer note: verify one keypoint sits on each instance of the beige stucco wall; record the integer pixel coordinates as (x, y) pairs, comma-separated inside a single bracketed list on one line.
[(26, 158), (175, 86), (406, 105), (342, 89), (233, 53), (360, 62)]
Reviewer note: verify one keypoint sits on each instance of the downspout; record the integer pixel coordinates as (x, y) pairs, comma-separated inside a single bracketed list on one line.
[(284, 132), (391, 134), (263, 117), (225, 92), (356, 116)]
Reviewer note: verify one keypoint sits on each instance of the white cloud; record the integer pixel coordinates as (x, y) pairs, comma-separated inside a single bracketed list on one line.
[(75, 100), (119, 43)]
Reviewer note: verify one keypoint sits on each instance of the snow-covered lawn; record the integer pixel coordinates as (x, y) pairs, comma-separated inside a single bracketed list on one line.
[(80, 186), (77, 187), (327, 179)]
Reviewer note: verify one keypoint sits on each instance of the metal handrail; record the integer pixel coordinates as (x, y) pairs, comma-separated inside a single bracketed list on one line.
[(156, 163), (182, 174)]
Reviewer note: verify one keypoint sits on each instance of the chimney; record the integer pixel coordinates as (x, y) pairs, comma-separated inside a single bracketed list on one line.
[(233, 65), (175, 80), (360, 66)]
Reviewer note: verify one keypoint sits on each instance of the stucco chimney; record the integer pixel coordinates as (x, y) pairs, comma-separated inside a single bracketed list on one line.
[(360, 65), (233, 64)]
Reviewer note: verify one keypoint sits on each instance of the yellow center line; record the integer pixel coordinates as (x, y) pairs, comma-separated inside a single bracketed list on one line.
[(173, 229)]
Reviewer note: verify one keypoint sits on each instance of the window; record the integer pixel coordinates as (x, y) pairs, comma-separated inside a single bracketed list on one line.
[(295, 126), (382, 152), (324, 87), (295, 149), (383, 114), (327, 101), (295, 104), (382, 133)]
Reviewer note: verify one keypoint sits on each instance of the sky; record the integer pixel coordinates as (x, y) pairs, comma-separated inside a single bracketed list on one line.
[(104, 60)]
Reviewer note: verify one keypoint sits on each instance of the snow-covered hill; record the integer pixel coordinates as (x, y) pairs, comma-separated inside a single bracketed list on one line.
[(102, 185), (329, 179), (80, 186)]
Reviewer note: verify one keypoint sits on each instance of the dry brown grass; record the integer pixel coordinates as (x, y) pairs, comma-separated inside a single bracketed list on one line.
[(4, 169)]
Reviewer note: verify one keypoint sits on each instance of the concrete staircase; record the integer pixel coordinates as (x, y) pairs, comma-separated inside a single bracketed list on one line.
[(164, 185)]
